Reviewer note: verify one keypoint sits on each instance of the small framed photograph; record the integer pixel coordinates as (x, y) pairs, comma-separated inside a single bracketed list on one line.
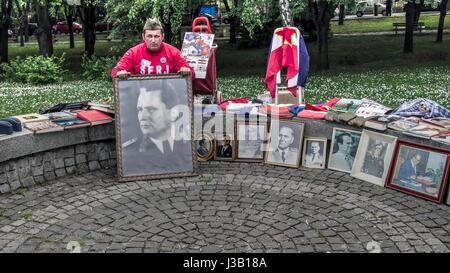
[(285, 143), (251, 138), (314, 153), (344, 145), (419, 170), (204, 146), (154, 127), (373, 157), (225, 146)]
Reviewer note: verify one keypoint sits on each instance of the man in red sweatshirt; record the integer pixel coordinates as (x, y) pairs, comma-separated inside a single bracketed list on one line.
[(152, 56)]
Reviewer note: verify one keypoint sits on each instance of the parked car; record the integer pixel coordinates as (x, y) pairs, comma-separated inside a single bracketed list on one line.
[(62, 27), (364, 7), (31, 29), (102, 26)]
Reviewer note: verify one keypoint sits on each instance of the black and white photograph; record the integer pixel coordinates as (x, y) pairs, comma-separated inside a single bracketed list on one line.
[(224, 146), (314, 153), (154, 136), (373, 157), (204, 147), (344, 144), (286, 138), (251, 138)]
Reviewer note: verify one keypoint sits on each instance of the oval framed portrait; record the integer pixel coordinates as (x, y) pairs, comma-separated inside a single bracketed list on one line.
[(204, 146)]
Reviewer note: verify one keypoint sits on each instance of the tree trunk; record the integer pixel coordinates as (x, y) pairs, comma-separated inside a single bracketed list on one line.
[(25, 22), (443, 13), (234, 22), (409, 20), (286, 13), (87, 15), (5, 20), (21, 29), (341, 14), (44, 30), (322, 16), (69, 14)]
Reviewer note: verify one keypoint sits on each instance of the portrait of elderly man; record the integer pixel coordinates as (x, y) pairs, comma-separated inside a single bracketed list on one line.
[(285, 152), (314, 154), (156, 130), (345, 144), (251, 138)]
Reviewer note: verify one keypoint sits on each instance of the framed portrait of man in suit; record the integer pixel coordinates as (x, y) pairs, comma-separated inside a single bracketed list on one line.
[(154, 127), (225, 146), (285, 143), (251, 137), (419, 170), (344, 145), (314, 153)]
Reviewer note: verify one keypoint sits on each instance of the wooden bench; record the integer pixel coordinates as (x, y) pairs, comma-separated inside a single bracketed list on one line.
[(401, 26)]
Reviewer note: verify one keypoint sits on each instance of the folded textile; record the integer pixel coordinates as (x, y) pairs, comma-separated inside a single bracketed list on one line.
[(276, 111), (295, 109), (6, 128), (322, 107), (311, 114), (421, 107), (358, 121), (225, 103)]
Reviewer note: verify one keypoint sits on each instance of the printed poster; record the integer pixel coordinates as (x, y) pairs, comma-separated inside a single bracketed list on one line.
[(196, 48)]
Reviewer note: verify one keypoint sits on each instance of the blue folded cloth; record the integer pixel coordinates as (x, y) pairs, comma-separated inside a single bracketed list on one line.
[(296, 109), (422, 108)]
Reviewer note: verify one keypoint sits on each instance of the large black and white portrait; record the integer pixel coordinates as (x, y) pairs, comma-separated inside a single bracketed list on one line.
[(153, 127), (314, 153), (285, 143), (251, 137), (344, 146)]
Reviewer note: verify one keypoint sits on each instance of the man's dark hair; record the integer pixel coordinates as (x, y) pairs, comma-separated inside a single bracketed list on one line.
[(202, 141), (170, 96), (340, 138), (152, 24)]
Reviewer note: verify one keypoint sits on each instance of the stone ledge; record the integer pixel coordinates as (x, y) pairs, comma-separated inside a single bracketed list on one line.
[(27, 159), (26, 143)]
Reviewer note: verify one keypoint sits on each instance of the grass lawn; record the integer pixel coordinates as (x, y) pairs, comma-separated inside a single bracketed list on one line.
[(371, 67), (383, 23)]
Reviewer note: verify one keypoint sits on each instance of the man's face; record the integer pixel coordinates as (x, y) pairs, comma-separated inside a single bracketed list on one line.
[(416, 159), (315, 147), (153, 39), (153, 115), (286, 137), (346, 144)]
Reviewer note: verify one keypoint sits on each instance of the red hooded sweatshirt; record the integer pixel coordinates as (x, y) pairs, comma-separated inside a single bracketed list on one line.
[(139, 61)]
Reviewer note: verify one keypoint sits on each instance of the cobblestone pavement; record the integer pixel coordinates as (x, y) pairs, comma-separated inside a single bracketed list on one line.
[(231, 207)]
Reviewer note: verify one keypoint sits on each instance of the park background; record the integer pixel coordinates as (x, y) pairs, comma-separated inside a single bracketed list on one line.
[(351, 57)]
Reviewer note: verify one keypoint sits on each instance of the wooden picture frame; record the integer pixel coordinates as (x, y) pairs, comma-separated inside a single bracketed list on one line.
[(285, 136), (154, 127), (314, 152), (225, 146), (419, 170), (344, 145), (251, 139), (205, 146), (373, 157)]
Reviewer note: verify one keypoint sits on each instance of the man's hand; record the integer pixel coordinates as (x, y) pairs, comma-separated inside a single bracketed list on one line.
[(123, 74), (185, 70)]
